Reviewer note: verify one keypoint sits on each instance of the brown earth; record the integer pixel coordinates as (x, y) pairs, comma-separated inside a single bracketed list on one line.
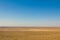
[(29, 33)]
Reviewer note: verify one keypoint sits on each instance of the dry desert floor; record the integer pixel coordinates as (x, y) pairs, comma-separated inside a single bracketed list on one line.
[(29, 33)]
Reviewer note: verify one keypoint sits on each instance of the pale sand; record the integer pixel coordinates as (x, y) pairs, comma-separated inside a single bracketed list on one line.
[(29, 29)]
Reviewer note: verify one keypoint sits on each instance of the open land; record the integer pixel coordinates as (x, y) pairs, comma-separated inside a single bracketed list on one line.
[(25, 33)]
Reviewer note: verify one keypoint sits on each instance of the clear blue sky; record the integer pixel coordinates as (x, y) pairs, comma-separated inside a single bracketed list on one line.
[(29, 13)]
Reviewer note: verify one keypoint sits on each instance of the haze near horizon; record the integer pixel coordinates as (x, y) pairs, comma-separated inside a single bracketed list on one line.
[(29, 13)]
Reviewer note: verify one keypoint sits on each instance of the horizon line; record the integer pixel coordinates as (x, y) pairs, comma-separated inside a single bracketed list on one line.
[(30, 26)]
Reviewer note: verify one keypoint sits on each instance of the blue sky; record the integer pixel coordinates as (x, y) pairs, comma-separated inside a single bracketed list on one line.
[(29, 13)]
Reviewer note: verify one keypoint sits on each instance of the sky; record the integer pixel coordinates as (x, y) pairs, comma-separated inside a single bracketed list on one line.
[(29, 12)]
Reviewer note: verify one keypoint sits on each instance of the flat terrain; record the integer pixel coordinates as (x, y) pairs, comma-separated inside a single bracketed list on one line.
[(29, 33)]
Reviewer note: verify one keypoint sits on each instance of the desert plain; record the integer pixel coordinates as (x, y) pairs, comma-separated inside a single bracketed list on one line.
[(29, 33)]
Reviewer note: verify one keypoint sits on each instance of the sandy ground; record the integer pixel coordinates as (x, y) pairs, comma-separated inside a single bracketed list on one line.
[(29, 29), (19, 33)]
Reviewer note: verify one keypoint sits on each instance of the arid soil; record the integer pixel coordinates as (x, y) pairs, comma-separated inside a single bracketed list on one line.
[(17, 33)]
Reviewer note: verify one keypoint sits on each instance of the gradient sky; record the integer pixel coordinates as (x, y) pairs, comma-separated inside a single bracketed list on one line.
[(29, 13)]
